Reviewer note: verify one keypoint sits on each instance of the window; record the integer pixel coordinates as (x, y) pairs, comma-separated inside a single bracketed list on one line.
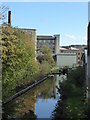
[(48, 41), (29, 32), (48, 45), (40, 41), (53, 41), (78, 53), (44, 41), (40, 45), (79, 58), (53, 46), (37, 44)]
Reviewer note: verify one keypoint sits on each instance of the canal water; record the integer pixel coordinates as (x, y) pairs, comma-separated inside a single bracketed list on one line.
[(38, 102)]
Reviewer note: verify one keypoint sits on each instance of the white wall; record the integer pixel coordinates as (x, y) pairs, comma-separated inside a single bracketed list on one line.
[(66, 59), (85, 56)]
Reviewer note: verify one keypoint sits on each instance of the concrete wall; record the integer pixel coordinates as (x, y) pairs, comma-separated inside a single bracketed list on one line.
[(57, 41), (85, 52), (79, 53), (64, 59)]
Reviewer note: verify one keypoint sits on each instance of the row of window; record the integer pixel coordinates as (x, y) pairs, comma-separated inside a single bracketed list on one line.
[(71, 52), (48, 41), (49, 45), (40, 46)]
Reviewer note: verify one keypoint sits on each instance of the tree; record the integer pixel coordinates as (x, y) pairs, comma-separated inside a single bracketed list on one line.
[(18, 59), (46, 56), (3, 13)]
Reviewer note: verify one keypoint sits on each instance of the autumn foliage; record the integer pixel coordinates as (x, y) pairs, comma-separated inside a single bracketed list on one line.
[(18, 59)]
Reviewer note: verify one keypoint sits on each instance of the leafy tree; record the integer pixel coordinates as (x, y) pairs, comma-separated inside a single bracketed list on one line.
[(18, 58), (46, 56)]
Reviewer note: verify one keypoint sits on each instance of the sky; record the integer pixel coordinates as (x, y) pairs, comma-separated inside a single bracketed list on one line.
[(69, 19), (89, 11)]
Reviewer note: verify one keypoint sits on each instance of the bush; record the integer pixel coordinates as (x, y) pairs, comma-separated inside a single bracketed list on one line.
[(46, 56), (18, 59), (44, 68), (73, 96)]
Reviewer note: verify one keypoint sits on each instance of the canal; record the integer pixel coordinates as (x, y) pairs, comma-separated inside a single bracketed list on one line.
[(38, 102)]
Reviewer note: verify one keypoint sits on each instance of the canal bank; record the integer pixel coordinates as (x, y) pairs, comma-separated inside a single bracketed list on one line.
[(39, 102), (73, 102), (55, 98), (29, 86), (23, 91)]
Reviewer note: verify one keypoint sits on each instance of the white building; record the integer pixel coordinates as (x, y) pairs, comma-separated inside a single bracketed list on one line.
[(66, 59)]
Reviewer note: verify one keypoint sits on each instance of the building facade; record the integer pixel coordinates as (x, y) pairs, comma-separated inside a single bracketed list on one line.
[(66, 59), (52, 42), (79, 53), (33, 33), (34, 36)]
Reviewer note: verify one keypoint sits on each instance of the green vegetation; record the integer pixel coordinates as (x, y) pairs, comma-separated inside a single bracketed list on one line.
[(24, 106), (18, 59), (73, 103), (55, 70), (46, 56), (19, 66)]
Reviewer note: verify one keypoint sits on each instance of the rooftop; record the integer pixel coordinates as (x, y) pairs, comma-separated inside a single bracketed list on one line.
[(73, 48), (27, 29), (61, 48), (45, 37)]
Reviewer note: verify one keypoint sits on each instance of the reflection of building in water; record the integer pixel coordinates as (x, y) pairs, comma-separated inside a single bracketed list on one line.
[(56, 85), (58, 80), (54, 89)]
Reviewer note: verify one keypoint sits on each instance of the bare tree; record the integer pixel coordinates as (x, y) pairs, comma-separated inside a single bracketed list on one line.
[(3, 13)]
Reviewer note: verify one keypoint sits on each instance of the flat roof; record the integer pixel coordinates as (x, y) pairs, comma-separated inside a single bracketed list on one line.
[(73, 48), (43, 37), (26, 29), (67, 54)]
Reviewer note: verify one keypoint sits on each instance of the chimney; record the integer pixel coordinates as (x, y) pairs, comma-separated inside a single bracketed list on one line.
[(9, 18)]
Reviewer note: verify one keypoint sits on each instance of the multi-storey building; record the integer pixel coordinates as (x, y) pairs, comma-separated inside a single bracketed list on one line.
[(51, 42), (34, 37), (33, 33), (40, 42), (79, 52)]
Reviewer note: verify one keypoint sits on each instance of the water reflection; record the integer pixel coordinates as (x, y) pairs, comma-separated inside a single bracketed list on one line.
[(44, 108), (38, 102)]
